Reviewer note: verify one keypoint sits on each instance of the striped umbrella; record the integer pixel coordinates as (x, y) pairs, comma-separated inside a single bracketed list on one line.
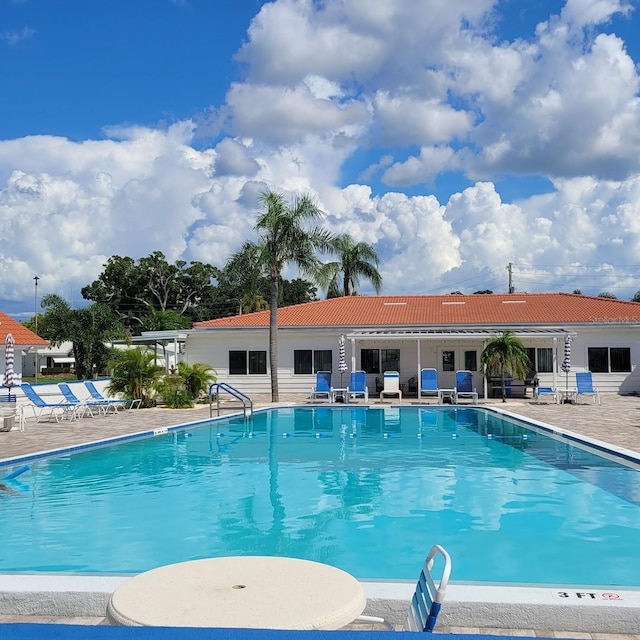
[(342, 360), (9, 379), (566, 362)]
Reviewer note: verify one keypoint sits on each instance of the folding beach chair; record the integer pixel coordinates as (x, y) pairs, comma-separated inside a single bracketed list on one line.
[(116, 403), (464, 387), (429, 383), (42, 409)]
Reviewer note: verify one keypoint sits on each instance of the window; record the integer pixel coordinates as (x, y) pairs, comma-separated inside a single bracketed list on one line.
[(471, 360), (379, 360), (448, 361), (390, 359), (541, 360), (306, 361), (620, 358), (605, 359), (302, 361), (370, 360), (322, 361), (257, 361), (545, 360)]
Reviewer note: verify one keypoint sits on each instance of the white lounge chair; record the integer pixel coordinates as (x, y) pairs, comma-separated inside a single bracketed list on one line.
[(391, 386)]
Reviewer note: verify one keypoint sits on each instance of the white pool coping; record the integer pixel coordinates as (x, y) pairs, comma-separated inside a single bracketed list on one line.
[(571, 609)]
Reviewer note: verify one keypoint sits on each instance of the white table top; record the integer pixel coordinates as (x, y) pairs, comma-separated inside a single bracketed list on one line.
[(240, 591)]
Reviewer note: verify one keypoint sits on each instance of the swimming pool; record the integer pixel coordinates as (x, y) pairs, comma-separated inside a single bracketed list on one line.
[(365, 489)]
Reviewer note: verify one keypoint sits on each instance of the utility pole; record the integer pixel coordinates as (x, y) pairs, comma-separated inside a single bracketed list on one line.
[(510, 270), (35, 312)]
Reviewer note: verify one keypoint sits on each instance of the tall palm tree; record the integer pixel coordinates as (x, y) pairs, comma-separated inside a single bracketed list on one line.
[(284, 239), (355, 260), (505, 353)]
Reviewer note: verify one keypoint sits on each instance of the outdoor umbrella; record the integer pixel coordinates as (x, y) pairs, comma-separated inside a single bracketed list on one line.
[(566, 362), (342, 361), (9, 379)]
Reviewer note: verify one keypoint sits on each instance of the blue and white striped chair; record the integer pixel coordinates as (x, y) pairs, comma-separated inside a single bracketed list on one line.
[(428, 598)]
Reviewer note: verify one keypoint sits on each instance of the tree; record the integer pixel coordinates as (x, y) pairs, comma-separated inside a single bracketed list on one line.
[(607, 294), (135, 374), (87, 328), (577, 292), (355, 260), (482, 292), (135, 290), (636, 298), (505, 353), (284, 239)]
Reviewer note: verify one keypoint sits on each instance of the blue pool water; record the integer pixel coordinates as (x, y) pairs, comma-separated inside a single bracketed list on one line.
[(366, 489)]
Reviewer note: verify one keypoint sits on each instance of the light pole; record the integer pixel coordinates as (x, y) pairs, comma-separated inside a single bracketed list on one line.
[(35, 312)]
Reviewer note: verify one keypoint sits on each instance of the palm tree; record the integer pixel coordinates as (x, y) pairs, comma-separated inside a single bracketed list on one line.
[(355, 260), (196, 378), (505, 353), (283, 239), (135, 375)]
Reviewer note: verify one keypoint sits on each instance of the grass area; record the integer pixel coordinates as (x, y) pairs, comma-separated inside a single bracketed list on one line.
[(60, 377)]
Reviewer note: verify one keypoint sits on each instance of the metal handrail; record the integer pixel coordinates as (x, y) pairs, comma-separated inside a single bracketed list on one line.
[(247, 403)]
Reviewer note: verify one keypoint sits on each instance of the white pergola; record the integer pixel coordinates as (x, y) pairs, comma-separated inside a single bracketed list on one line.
[(554, 334)]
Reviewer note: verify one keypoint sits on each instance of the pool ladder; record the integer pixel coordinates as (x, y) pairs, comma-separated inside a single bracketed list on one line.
[(215, 390)]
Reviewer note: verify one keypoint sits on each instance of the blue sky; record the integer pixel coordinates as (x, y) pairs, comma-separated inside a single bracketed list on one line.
[(453, 137)]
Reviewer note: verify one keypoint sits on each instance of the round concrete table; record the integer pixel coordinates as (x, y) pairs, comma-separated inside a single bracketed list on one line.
[(239, 591)]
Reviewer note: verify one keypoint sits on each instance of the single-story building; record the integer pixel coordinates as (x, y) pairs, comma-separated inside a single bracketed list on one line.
[(25, 341), (408, 333)]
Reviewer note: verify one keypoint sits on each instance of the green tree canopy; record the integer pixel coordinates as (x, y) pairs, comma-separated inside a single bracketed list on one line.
[(355, 260), (505, 353), (135, 375), (134, 290), (87, 328), (607, 294)]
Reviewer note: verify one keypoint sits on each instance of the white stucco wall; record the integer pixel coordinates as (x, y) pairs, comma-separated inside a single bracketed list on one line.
[(213, 346)]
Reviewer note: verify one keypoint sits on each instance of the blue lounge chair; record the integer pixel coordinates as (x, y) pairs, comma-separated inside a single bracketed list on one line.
[(429, 383), (428, 598), (464, 387), (41, 408), (391, 385), (358, 386), (546, 392), (323, 386), (116, 403), (83, 407), (584, 386)]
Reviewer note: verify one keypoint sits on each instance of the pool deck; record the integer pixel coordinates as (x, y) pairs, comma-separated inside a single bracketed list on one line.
[(616, 421)]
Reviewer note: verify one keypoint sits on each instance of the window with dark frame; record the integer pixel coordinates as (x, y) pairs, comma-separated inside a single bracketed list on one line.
[(544, 360), (302, 361), (370, 360), (322, 360), (237, 363), (251, 362), (609, 359), (471, 360), (390, 359), (448, 360), (257, 362)]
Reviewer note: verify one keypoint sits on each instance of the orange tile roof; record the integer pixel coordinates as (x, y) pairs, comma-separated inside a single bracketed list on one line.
[(446, 310), (21, 335)]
